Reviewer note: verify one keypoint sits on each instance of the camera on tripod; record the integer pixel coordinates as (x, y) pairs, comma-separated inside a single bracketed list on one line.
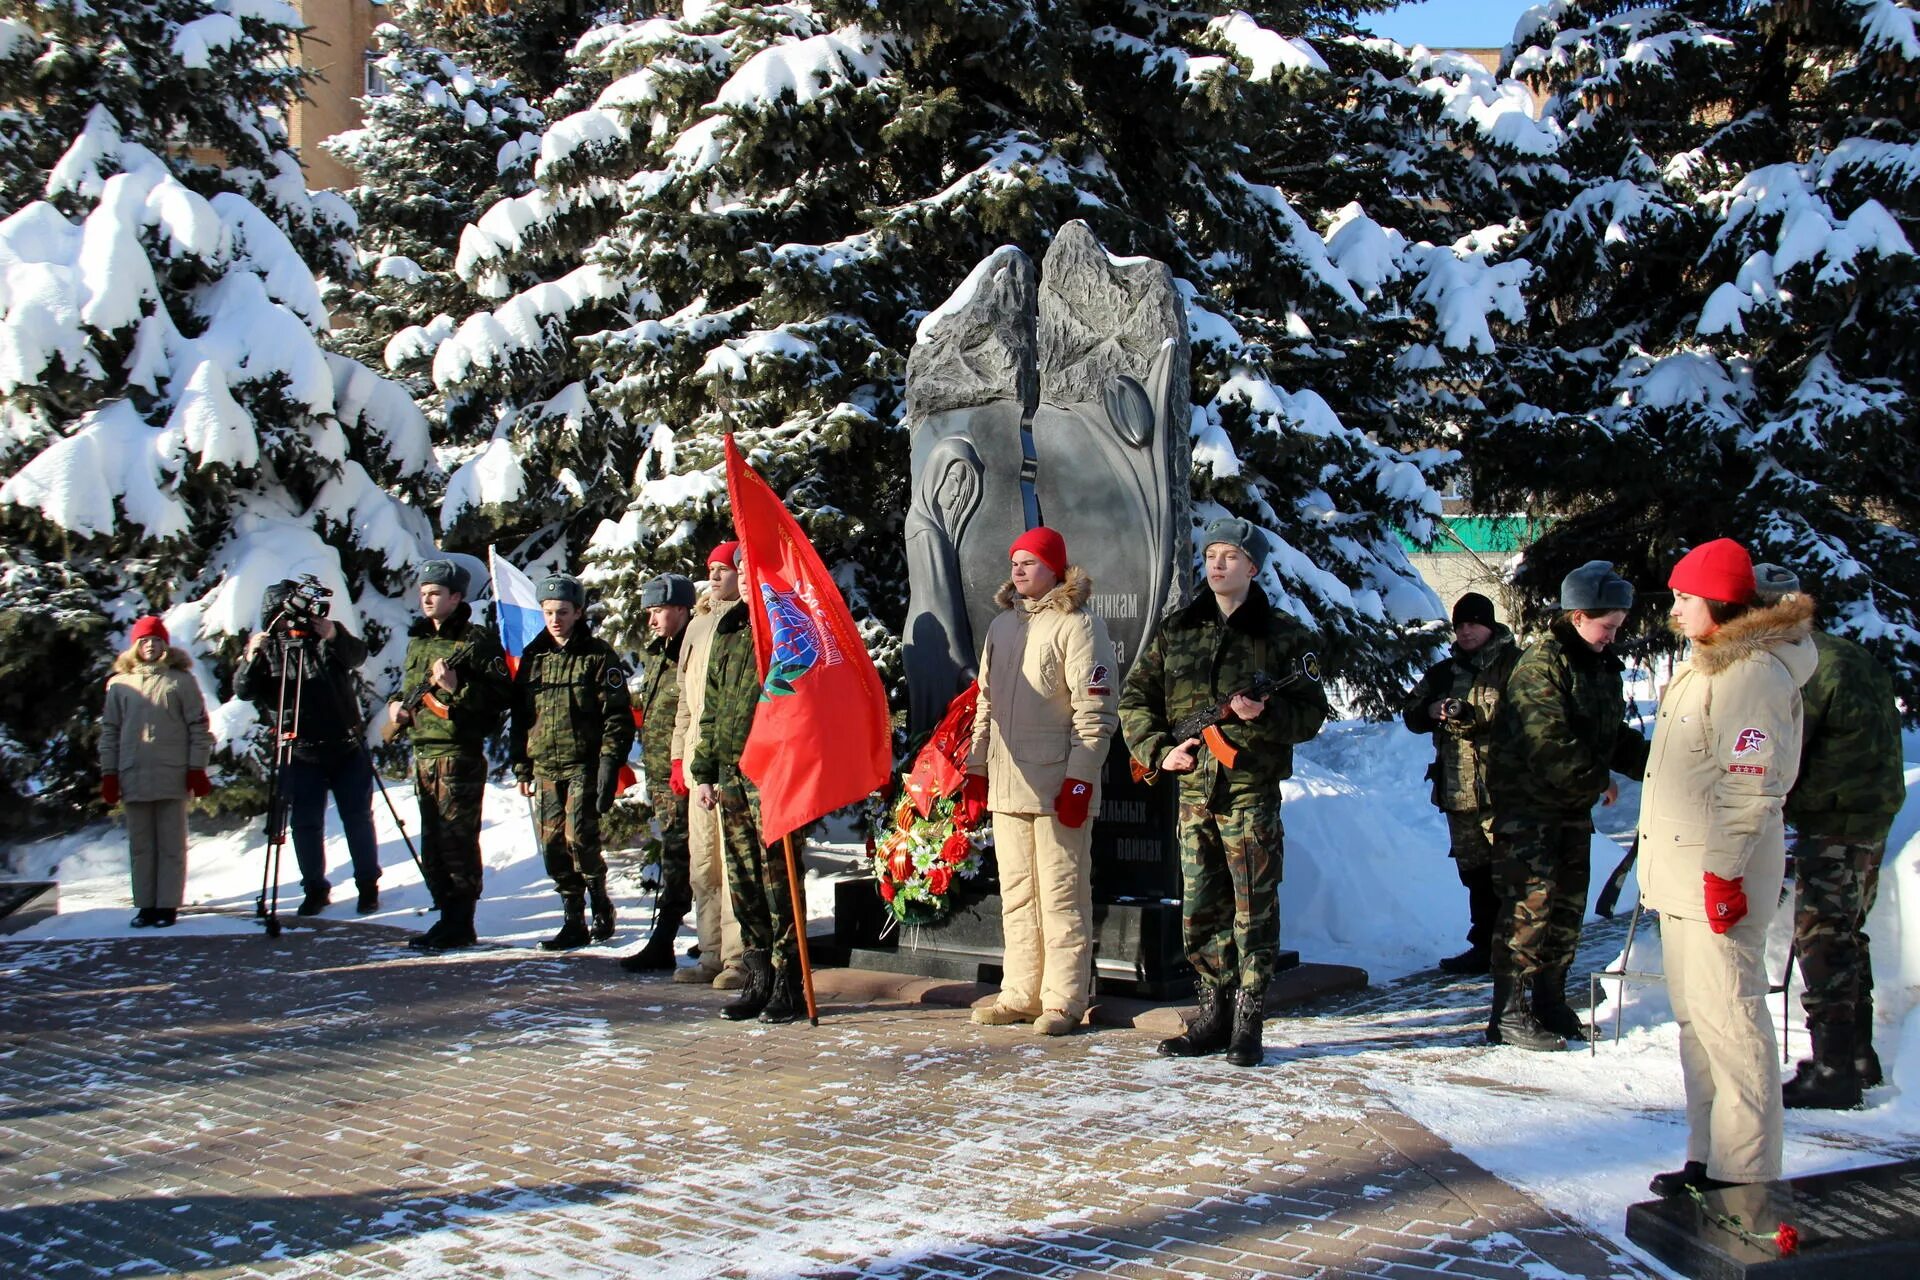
[(294, 605)]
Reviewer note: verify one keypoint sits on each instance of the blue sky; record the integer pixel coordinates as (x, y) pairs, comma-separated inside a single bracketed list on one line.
[(1451, 24)]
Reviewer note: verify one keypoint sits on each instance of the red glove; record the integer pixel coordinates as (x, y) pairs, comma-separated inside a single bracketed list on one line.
[(1726, 903), (973, 801), (678, 778), (1070, 806), (198, 784), (110, 788)]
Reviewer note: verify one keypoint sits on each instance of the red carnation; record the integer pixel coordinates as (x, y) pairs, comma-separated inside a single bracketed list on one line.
[(1787, 1238), (887, 890), (955, 850), (939, 879)]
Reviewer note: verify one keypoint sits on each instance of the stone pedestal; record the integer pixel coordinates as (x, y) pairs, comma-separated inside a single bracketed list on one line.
[(25, 903), (1853, 1225)]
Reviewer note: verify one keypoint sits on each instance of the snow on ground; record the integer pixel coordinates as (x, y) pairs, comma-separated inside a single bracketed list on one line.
[(1367, 883)]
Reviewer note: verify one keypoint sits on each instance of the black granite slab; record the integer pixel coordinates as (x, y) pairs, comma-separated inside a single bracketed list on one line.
[(25, 903)]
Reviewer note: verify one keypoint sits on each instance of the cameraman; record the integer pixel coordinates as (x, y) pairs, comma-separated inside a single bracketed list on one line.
[(301, 665)]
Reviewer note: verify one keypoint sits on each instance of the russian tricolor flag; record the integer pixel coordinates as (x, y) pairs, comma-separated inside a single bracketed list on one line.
[(516, 608)]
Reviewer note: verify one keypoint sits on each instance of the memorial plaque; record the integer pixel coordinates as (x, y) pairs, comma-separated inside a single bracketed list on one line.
[(1854, 1224)]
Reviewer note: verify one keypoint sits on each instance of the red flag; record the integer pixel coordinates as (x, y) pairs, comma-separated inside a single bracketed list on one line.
[(941, 767), (820, 738)]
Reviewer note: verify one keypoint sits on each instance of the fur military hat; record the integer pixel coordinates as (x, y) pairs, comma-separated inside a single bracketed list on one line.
[(443, 573), (563, 586), (1771, 581), (1236, 532), (1595, 588), (667, 589)]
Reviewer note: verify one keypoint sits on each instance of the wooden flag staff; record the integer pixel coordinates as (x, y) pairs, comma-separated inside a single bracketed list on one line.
[(796, 887)]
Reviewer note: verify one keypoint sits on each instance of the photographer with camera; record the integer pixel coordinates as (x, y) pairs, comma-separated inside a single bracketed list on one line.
[(453, 694), (298, 669), (1457, 701)]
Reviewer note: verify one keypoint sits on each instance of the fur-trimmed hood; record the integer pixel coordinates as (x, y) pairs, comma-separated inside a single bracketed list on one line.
[(1070, 596), (706, 604), (126, 664), (1783, 629)]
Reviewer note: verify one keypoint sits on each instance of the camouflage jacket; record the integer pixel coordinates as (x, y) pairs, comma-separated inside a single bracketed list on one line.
[(475, 708), (659, 703), (1562, 731), (1852, 779), (1197, 659), (732, 694), (1462, 746), (570, 705)]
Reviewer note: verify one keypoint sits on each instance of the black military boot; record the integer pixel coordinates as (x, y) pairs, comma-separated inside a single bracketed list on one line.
[(1474, 961), (1513, 1023), (603, 921), (759, 989), (1866, 1063), (573, 928), (1829, 1082), (1211, 1027), (1550, 1007), (786, 1001), (657, 955), (457, 920), (1249, 1014), (433, 939)]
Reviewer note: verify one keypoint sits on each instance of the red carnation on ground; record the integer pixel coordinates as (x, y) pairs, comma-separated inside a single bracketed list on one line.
[(1787, 1237), (955, 850)]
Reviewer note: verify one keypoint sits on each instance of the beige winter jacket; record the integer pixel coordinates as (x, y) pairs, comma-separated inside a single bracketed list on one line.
[(1049, 698), (1726, 750), (696, 642), (154, 728)]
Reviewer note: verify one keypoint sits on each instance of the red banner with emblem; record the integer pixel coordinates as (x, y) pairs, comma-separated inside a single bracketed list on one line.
[(820, 738)]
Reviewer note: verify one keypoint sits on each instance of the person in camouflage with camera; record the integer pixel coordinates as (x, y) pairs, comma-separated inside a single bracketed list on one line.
[(1458, 701), (1230, 833), (453, 693), (1851, 785), (668, 600), (572, 729)]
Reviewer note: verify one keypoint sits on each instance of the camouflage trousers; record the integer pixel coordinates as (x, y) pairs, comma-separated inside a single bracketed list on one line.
[(756, 875), (1835, 882), (1230, 866), (1541, 870), (676, 857), (567, 814), (450, 789), (1470, 835)]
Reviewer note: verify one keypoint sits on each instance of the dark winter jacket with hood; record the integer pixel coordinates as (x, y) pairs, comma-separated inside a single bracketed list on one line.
[(474, 709), (570, 706), (1852, 777), (1463, 745), (732, 695), (1561, 732), (331, 721)]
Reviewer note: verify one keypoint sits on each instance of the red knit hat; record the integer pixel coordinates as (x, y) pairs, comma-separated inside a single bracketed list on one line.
[(150, 626), (723, 554), (1717, 570), (1049, 546)]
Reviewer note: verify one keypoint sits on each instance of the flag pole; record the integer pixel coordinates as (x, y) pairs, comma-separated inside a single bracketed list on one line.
[(796, 889)]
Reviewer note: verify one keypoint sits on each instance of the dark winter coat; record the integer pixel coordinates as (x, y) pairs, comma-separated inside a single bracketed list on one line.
[(330, 721), (1561, 732), (475, 708), (154, 728), (1463, 747), (570, 706), (1199, 659), (659, 703), (1852, 779), (732, 695)]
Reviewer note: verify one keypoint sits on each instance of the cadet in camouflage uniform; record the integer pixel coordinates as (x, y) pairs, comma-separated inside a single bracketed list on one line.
[(1475, 676), (1561, 732), (1230, 832), (668, 600), (756, 876), (572, 729), (452, 695), (1851, 784)]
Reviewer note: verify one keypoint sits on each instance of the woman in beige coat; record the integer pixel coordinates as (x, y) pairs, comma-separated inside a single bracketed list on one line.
[(154, 744), (1726, 751)]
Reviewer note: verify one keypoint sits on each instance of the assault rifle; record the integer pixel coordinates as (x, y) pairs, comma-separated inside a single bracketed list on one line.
[(425, 698), (1205, 723)]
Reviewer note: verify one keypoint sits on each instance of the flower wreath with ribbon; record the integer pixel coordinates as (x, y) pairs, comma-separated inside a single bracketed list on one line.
[(936, 839)]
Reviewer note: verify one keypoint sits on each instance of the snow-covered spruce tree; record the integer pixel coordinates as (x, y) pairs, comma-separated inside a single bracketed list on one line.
[(172, 436), (744, 228), (441, 144), (1724, 300)]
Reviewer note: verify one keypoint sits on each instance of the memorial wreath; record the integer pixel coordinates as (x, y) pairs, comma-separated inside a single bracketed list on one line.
[(935, 839)]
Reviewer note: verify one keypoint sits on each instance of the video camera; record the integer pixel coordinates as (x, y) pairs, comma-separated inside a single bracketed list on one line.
[(1459, 709), (293, 605)]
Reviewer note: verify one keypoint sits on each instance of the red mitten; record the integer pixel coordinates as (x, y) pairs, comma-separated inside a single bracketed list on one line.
[(677, 779), (198, 784), (973, 801), (1726, 903), (1070, 806), (110, 788)]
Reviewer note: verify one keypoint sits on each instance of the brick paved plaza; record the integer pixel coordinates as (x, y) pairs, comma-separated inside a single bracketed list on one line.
[(332, 1104)]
